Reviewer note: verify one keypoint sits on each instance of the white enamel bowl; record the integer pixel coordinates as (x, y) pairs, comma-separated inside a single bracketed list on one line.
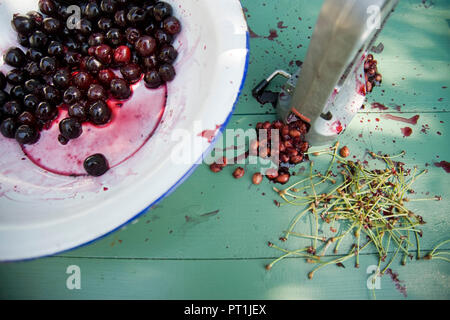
[(42, 213)]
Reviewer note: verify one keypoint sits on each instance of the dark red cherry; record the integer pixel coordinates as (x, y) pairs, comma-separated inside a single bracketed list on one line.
[(92, 10), (61, 78), (99, 113), (30, 102), (108, 6), (162, 10), (15, 57), (16, 76), (93, 65), (45, 111), (167, 54), (120, 18), (52, 25), (96, 92), (122, 54), (105, 24), (26, 117), (78, 110), (150, 28), (96, 39), (26, 134), (163, 37), (32, 68), (71, 58), (23, 24), (70, 128), (132, 34), (103, 53), (167, 72), (120, 89), (96, 165), (145, 45), (63, 140), (131, 72), (150, 62), (48, 7), (172, 25), (86, 27), (72, 95), (47, 65), (105, 77), (36, 17), (82, 80), (34, 55), (55, 49), (33, 86), (18, 92), (11, 108), (152, 79), (114, 36), (8, 127), (136, 16), (51, 94), (38, 40)]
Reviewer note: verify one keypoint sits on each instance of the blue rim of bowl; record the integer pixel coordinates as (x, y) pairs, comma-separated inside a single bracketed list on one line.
[(177, 184)]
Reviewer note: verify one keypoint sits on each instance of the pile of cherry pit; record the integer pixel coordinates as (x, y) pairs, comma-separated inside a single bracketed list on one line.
[(290, 151), (73, 68)]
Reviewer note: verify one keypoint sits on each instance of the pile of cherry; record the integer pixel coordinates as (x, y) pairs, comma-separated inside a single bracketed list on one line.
[(74, 63), (373, 78)]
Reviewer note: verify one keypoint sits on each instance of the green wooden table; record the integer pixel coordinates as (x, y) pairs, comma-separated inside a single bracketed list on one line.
[(208, 240)]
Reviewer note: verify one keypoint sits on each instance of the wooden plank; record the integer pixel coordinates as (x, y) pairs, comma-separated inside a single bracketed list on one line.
[(415, 58), (215, 216), (215, 279)]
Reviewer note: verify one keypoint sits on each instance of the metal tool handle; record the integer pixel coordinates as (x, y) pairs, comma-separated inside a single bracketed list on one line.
[(342, 34)]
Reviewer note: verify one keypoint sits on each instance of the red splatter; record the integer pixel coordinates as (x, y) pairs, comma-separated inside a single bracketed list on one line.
[(252, 34), (362, 90), (209, 134), (412, 120), (407, 131), (397, 281), (439, 133), (272, 34), (425, 128), (337, 126), (280, 25), (105, 189), (298, 63), (379, 106), (444, 165)]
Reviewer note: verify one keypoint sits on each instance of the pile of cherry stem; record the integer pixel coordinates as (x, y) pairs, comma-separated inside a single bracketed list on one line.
[(367, 206)]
